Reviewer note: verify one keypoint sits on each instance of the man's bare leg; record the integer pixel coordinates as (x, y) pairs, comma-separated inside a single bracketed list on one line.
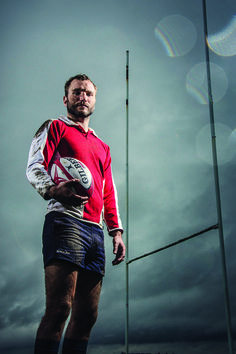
[(84, 313), (60, 284), (85, 305)]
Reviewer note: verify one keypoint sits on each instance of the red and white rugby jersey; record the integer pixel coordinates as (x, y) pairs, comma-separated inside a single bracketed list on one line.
[(63, 138)]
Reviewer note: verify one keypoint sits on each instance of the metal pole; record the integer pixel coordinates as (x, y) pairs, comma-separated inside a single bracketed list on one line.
[(174, 243), (217, 185), (127, 207)]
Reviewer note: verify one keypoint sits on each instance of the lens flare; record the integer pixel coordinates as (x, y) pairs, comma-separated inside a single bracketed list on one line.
[(226, 145), (177, 34), (224, 42), (197, 84)]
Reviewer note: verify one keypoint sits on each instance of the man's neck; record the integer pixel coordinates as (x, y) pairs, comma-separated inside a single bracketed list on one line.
[(84, 122)]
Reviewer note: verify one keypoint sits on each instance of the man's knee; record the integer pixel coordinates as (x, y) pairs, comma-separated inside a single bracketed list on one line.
[(63, 311), (53, 321), (83, 322), (58, 313)]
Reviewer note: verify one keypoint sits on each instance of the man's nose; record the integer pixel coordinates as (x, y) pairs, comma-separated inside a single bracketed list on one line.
[(83, 96)]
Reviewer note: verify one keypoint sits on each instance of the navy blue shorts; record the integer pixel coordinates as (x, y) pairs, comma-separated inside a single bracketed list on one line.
[(67, 238)]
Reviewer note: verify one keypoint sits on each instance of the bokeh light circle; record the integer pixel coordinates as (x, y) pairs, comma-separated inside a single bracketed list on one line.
[(197, 82), (225, 144), (177, 34), (224, 42)]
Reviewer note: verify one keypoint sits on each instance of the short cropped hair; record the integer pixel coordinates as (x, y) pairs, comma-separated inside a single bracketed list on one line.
[(81, 77)]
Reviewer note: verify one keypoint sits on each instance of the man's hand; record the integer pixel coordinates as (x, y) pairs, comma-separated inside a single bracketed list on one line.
[(118, 247), (65, 193)]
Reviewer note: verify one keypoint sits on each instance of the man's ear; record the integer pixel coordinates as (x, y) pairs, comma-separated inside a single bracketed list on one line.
[(65, 100)]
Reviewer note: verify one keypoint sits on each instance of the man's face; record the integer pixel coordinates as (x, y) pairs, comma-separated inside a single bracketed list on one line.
[(81, 99)]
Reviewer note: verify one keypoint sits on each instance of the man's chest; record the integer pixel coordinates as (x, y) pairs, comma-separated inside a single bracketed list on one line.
[(84, 147)]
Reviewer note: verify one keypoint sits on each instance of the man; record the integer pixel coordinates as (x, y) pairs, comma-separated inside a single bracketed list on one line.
[(73, 246)]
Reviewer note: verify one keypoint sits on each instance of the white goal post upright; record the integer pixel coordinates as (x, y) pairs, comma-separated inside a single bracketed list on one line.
[(127, 207), (216, 178)]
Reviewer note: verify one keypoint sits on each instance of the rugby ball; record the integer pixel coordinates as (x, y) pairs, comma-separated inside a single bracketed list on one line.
[(68, 168)]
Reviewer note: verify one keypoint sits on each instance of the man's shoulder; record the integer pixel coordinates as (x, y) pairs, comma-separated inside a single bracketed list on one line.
[(43, 127), (46, 125)]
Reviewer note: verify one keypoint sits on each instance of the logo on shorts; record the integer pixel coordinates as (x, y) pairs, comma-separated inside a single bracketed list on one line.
[(63, 252)]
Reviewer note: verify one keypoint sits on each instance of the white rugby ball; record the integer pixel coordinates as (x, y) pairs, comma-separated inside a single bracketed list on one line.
[(68, 168)]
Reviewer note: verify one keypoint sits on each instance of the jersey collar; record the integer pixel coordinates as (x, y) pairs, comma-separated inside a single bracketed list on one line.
[(71, 122)]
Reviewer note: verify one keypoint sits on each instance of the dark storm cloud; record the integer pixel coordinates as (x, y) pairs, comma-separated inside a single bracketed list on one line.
[(19, 301)]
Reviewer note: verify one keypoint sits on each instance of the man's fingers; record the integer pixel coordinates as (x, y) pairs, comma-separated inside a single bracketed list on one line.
[(119, 251), (118, 260), (115, 248), (72, 184)]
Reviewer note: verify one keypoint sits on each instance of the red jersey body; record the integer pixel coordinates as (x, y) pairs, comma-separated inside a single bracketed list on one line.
[(64, 138)]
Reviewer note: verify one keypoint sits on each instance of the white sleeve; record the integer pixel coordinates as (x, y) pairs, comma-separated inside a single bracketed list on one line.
[(36, 172)]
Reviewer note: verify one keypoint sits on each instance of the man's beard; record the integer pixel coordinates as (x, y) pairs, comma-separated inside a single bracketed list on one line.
[(72, 109)]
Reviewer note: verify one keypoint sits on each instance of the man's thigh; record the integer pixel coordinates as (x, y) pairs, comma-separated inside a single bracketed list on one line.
[(88, 289), (60, 282)]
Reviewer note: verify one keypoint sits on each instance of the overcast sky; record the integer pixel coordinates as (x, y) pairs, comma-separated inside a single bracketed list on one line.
[(176, 296)]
